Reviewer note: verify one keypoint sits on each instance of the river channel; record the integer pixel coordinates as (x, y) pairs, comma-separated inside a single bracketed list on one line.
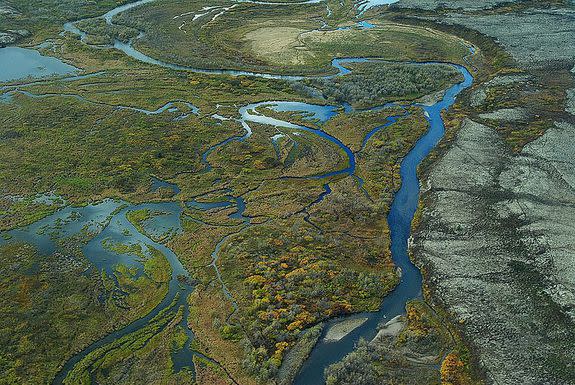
[(107, 220)]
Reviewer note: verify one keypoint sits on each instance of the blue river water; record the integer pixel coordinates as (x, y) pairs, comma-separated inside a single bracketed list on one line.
[(399, 219), (309, 111), (251, 113), (108, 224), (159, 183), (325, 353)]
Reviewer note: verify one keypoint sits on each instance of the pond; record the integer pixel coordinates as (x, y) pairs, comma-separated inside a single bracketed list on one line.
[(20, 63)]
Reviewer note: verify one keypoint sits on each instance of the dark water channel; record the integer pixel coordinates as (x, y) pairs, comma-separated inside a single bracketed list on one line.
[(107, 222)]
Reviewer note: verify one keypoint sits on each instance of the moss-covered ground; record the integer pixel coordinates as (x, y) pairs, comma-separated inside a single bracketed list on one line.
[(288, 264)]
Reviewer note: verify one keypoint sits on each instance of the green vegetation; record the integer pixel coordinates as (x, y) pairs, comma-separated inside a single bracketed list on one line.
[(101, 33), (84, 150), (138, 217), (44, 18), (261, 38), (126, 358), (374, 83), (300, 261), (408, 356), (352, 129), (296, 356), (542, 97), (115, 159), (54, 304), (287, 284), (542, 94), (156, 266), (379, 162), (20, 211)]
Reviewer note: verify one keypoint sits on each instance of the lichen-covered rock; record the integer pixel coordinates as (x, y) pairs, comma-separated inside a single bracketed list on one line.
[(496, 240), (12, 36), (570, 107), (6, 9), (506, 114), (535, 37), (20, 32), (453, 4), (7, 38)]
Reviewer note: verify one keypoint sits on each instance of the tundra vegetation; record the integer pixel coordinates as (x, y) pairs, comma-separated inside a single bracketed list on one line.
[(419, 348), (512, 130), (287, 263), (372, 83), (56, 304), (261, 38)]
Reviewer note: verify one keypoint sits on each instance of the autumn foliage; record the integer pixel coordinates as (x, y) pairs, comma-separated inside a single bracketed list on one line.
[(453, 371)]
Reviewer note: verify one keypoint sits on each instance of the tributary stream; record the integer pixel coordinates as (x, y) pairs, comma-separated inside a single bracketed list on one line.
[(107, 219)]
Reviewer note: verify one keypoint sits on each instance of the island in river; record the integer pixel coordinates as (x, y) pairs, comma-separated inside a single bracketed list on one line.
[(224, 192)]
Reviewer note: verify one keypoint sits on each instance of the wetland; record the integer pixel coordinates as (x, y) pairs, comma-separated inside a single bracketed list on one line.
[(225, 192)]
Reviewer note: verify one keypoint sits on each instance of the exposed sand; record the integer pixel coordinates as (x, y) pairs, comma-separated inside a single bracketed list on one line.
[(278, 44), (343, 328), (391, 329)]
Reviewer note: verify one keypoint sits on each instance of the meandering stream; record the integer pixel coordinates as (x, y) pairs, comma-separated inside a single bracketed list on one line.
[(399, 219), (107, 220)]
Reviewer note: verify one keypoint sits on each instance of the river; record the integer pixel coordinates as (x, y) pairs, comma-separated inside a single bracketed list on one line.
[(399, 220), (108, 218)]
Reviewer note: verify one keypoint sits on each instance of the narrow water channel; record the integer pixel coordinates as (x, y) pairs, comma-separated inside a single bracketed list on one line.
[(399, 219), (110, 216)]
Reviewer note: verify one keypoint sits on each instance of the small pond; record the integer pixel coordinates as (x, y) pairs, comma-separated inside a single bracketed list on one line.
[(20, 63)]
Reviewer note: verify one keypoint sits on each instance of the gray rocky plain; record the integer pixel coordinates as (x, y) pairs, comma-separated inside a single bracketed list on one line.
[(468, 5), (497, 240), (10, 36), (497, 236)]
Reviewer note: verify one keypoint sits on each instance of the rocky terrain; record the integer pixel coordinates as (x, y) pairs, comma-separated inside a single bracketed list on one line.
[(536, 37), (496, 241), (451, 4), (539, 35), (10, 36), (571, 100), (496, 235)]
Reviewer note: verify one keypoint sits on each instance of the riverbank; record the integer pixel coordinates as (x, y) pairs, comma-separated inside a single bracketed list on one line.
[(486, 231), (267, 224)]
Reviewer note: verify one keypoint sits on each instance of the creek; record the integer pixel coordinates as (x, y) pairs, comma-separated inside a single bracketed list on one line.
[(107, 220)]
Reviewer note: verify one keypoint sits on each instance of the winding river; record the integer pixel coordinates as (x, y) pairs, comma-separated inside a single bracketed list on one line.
[(107, 220), (399, 219)]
